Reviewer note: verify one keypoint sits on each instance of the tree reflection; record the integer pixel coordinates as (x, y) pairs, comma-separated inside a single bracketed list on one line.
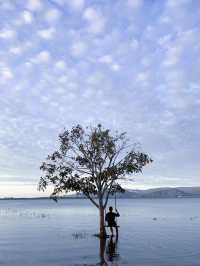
[(108, 251)]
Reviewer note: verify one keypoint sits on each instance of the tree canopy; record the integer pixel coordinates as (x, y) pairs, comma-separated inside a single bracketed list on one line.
[(91, 160)]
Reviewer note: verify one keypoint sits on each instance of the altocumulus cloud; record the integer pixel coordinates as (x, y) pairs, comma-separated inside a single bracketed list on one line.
[(67, 62)]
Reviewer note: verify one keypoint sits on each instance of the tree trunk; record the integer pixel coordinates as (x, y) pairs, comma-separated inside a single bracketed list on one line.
[(102, 246), (102, 231)]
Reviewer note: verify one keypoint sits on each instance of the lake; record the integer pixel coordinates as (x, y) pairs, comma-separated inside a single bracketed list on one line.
[(152, 232)]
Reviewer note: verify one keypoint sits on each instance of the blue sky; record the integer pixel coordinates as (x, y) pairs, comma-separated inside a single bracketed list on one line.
[(131, 65)]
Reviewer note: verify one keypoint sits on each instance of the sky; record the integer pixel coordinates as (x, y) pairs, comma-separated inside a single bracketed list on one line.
[(131, 65)]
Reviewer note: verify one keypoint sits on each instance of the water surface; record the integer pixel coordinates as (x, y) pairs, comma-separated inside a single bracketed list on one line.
[(152, 232)]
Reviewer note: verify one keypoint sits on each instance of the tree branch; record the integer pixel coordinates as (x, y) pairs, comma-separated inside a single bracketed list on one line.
[(91, 199), (107, 196)]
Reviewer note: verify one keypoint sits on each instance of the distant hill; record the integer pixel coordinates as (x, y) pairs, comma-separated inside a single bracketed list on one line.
[(154, 193), (167, 192), (179, 192)]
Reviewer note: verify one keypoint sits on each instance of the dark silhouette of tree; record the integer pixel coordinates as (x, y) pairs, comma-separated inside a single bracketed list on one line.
[(91, 161)]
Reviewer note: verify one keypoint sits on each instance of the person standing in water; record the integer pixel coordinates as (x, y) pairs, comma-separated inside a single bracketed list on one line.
[(110, 219)]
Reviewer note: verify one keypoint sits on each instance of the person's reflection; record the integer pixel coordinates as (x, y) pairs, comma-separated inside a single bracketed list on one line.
[(111, 249)]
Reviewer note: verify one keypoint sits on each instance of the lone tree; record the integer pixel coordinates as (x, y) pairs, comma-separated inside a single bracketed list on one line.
[(91, 161)]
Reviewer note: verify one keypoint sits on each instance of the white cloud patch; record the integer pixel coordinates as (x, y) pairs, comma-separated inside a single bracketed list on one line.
[(27, 17), (52, 15), (142, 76), (63, 79), (165, 19), (60, 65), (78, 48), (5, 74), (106, 59), (175, 48), (16, 50), (165, 40), (42, 57), (175, 3), (115, 67), (76, 5), (34, 5), (7, 33), (172, 55), (95, 20), (135, 4), (134, 44), (46, 34)]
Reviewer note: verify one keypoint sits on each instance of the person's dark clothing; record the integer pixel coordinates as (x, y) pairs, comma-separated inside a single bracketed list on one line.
[(110, 218)]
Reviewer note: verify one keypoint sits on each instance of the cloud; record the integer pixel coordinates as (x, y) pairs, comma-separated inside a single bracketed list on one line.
[(135, 4), (7, 33), (78, 48), (174, 3), (142, 76), (95, 20), (34, 5), (115, 67), (16, 50), (5, 74), (172, 56), (60, 65), (175, 47), (46, 34), (76, 5), (42, 57), (106, 59), (63, 79), (52, 15), (126, 70), (7, 5), (165, 40), (165, 19), (134, 44), (27, 17), (20, 48)]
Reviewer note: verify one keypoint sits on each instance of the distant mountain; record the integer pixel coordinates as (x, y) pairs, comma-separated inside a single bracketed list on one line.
[(178, 192), (154, 193), (167, 192)]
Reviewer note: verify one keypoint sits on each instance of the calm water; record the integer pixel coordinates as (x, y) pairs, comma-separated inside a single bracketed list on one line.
[(152, 232)]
